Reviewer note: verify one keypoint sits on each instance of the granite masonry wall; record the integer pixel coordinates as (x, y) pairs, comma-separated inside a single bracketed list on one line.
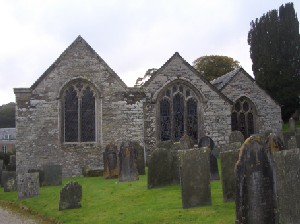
[(268, 112)]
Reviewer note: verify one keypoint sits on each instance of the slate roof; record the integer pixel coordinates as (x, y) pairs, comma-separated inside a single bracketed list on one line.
[(7, 132), (59, 59), (222, 81)]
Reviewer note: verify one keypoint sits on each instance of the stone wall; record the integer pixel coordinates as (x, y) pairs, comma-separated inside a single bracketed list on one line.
[(268, 111), (119, 113)]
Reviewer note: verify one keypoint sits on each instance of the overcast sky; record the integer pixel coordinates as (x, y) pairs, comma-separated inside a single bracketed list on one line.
[(131, 36)]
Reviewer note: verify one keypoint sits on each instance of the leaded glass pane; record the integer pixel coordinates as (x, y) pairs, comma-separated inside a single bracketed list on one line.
[(178, 110), (234, 122), (71, 115), (168, 93), (245, 106), (88, 116), (237, 106), (250, 124), (165, 120), (192, 119), (242, 124)]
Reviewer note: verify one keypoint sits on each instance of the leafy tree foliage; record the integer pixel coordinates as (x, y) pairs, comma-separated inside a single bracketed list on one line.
[(275, 52), (7, 115), (214, 66)]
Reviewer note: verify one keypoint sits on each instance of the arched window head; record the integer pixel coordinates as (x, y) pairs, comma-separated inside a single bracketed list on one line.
[(243, 117), (79, 113)]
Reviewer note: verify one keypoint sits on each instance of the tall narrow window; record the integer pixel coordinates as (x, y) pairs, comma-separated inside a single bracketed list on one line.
[(165, 120), (79, 114), (178, 111), (192, 119), (242, 117)]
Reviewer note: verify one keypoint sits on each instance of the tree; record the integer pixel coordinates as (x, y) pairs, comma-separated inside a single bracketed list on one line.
[(7, 115), (275, 52), (214, 66)]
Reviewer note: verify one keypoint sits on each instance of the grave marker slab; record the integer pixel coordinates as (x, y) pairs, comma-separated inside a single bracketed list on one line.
[(28, 185), (110, 159), (236, 136), (187, 142), (286, 137), (228, 159), (160, 168), (165, 144), (288, 185), (9, 181), (52, 175), (140, 158), (128, 169), (70, 196), (41, 174), (255, 197), (235, 146), (292, 143), (195, 178), (89, 171)]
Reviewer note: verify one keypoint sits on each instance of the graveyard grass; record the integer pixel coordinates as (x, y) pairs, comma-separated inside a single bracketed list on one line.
[(110, 201), (285, 127)]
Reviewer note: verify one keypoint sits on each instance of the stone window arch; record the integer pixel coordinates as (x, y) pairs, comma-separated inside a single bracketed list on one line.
[(178, 112), (78, 112), (243, 117)]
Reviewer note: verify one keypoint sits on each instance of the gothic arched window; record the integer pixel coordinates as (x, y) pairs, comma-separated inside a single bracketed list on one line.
[(178, 109), (242, 117), (79, 113)]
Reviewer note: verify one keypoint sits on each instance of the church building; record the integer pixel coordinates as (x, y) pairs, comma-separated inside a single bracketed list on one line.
[(79, 105)]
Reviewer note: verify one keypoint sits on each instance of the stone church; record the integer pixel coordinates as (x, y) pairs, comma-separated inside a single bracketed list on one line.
[(79, 105)]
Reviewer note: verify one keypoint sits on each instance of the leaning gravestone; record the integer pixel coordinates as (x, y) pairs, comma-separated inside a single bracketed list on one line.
[(292, 143), (195, 180), (255, 193), (209, 143), (292, 125), (236, 136), (140, 158), (160, 168), (288, 185), (70, 196), (110, 159), (228, 160), (9, 181), (52, 175), (28, 185), (127, 157)]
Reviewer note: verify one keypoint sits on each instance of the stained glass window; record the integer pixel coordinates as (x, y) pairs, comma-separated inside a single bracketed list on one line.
[(79, 114), (178, 111), (192, 119), (165, 120)]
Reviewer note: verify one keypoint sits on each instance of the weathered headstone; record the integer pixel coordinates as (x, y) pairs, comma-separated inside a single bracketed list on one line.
[(41, 174), (273, 143), (187, 142), (127, 157), (28, 185), (209, 143), (292, 143), (286, 137), (236, 136), (165, 144), (140, 158), (70, 196), (110, 159), (52, 175), (235, 146), (195, 180), (292, 125), (228, 160), (9, 181), (255, 193), (160, 168), (92, 171), (288, 185)]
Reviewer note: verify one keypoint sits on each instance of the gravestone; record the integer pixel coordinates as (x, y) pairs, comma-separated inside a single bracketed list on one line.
[(28, 185), (41, 174), (255, 194), (8, 180), (292, 125), (235, 146), (195, 178), (288, 185), (110, 159), (52, 175), (1, 169), (292, 143), (165, 144), (273, 143), (92, 171), (160, 168), (209, 143), (140, 158), (236, 136), (127, 157), (228, 160), (187, 142), (70, 196), (286, 137)]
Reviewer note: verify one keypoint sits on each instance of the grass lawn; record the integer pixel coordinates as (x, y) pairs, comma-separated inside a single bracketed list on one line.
[(285, 127), (108, 201)]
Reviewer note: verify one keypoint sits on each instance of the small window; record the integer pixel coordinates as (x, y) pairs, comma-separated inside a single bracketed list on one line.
[(4, 149)]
